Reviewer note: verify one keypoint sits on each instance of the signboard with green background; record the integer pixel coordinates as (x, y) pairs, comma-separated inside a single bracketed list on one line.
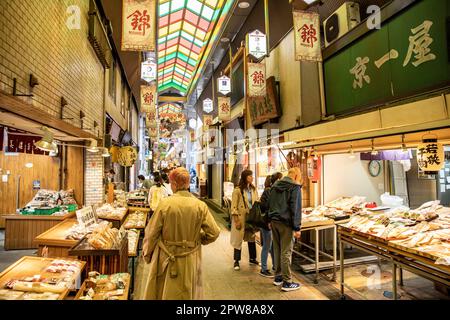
[(407, 56)]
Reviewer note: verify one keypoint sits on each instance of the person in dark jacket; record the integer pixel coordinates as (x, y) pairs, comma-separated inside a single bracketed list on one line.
[(285, 215), (266, 233)]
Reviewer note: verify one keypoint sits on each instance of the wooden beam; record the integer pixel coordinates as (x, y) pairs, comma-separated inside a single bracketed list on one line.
[(21, 108)]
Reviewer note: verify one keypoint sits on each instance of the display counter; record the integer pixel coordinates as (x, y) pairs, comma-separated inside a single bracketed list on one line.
[(21, 230), (114, 215), (136, 220), (105, 261), (34, 278), (113, 287), (53, 242)]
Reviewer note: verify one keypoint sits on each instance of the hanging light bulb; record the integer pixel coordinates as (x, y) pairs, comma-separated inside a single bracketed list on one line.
[(352, 153), (105, 153), (93, 146), (404, 149), (46, 143), (303, 154), (374, 152)]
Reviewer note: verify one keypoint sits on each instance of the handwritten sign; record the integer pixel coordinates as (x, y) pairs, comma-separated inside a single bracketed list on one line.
[(86, 217)]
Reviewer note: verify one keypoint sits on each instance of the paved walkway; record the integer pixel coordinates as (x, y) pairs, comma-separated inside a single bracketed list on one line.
[(221, 282)]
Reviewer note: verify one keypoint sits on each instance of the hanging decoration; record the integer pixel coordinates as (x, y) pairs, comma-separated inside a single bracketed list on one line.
[(257, 44), (256, 80), (148, 71), (208, 105), (138, 25), (224, 108), (430, 156), (148, 98), (151, 119), (207, 121), (224, 85), (127, 156), (307, 36), (314, 165)]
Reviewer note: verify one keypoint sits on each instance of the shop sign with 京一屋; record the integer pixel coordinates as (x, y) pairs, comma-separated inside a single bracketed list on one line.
[(208, 105), (256, 80), (138, 25), (148, 71), (256, 44), (224, 85), (430, 156), (224, 108), (307, 36), (148, 98), (406, 57)]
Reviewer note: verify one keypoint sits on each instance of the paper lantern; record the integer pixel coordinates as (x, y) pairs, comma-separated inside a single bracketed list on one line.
[(430, 156), (127, 156)]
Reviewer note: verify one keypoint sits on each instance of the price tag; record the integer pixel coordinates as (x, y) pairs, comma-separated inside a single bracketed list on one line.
[(86, 217)]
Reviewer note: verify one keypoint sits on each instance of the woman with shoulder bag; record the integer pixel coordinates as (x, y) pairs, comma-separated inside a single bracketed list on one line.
[(266, 233), (244, 196)]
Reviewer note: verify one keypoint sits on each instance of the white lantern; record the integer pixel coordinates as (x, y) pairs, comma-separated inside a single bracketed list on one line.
[(193, 123), (208, 105), (148, 71), (224, 85), (257, 45), (430, 156)]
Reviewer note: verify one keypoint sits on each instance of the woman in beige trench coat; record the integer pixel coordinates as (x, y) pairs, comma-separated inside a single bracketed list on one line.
[(172, 245), (244, 196)]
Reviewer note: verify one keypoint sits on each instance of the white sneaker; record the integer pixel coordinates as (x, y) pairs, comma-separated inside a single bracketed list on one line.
[(236, 266)]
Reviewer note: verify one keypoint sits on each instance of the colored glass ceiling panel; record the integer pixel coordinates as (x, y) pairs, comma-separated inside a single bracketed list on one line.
[(185, 30)]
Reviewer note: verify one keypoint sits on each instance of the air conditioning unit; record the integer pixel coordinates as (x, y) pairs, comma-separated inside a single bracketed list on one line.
[(341, 21)]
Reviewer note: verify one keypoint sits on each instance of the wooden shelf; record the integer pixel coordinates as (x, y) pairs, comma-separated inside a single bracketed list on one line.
[(83, 291), (55, 240)]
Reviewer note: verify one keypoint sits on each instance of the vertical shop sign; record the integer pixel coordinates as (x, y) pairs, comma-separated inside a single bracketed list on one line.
[(208, 105), (148, 98), (256, 80), (148, 71), (224, 108), (151, 119), (224, 85), (138, 25), (257, 44), (430, 156), (307, 36)]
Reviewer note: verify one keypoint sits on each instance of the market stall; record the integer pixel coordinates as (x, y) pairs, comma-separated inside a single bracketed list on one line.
[(34, 278), (105, 287), (414, 240), (115, 215), (55, 241)]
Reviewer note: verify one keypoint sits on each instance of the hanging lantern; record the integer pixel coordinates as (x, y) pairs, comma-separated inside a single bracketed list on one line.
[(193, 123), (208, 105), (430, 156), (127, 156)]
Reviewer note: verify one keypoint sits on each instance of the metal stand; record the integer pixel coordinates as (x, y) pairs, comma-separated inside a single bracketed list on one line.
[(318, 252)]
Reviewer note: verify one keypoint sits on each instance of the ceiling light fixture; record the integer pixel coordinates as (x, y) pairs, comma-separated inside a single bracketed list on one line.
[(374, 152), (243, 5), (93, 146), (105, 153), (225, 40), (352, 153), (46, 143)]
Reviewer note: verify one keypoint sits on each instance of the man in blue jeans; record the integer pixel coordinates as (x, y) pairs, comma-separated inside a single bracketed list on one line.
[(285, 202)]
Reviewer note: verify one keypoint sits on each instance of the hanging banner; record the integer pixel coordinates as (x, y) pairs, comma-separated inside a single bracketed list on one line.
[(208, 105), (257, 44), (150, 119), (224, 108), (192, 135), (256, 80), (307, 36), (148, 98), (224, 85), (148, 71), (207, 121), (430, 156), (138, 25), (153, 132)]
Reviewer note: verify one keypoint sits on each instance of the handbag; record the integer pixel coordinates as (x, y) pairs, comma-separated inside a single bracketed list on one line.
[(256, 217)]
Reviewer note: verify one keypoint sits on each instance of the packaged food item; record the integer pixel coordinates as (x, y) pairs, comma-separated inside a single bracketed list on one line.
[(10, 294)]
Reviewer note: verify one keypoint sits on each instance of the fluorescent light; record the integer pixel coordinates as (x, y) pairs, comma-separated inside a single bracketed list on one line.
[(29, 165)]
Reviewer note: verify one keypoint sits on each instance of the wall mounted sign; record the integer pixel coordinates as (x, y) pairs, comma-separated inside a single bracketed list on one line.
[(224, 85), (224, 108), (208, 105), (148, 98), (307, 36), (256, 80), (148, 71), (256, 44), (265, 108), (138, 25), (406, 57), (36, 184)]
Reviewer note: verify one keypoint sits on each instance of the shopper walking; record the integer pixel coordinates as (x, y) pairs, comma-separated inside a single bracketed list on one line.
[(157, 193), (243, 198), (285, 214), (266, 233), (172, 244)]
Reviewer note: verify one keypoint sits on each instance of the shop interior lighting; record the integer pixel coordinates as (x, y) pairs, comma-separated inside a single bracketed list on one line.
[(105, 153), (352, 153), (374, 152), (243, 5), (404, 149), (93, 146), (29, 165), (47, 143)]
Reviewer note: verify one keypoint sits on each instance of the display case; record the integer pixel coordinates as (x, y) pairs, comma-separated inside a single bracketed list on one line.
[(53, 242)]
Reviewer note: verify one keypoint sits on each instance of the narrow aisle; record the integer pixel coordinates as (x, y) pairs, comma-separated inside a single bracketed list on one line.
[(221, 282)]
